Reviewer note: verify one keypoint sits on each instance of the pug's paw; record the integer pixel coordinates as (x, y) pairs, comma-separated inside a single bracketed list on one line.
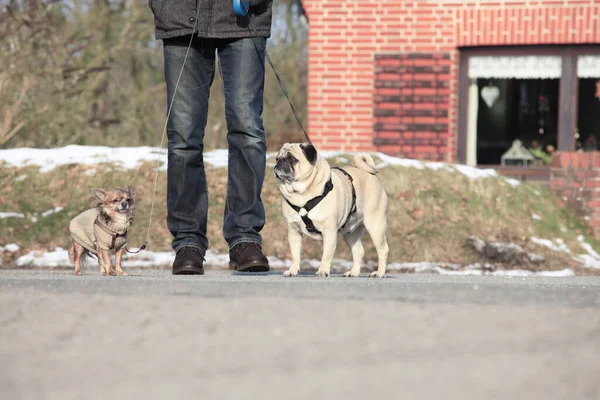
[(290, 272), (322, 273)]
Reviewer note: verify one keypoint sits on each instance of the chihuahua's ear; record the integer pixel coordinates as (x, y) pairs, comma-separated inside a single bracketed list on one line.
[(99, 194), (132, 192), (309, 152)]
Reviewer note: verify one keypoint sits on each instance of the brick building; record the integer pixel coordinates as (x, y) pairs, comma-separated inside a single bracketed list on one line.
[(454, 80)]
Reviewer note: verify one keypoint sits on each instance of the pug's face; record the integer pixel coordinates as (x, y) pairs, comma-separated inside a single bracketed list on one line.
[(294, 161)]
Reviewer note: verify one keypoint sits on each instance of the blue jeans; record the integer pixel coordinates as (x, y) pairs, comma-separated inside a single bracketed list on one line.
[(242, 69)]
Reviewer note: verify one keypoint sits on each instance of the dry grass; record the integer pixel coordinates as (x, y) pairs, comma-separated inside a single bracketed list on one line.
[(431, 213)]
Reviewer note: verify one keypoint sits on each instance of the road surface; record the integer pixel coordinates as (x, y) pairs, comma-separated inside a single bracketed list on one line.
[(235, 336)]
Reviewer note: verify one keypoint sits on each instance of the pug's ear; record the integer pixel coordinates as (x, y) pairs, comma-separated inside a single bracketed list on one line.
[(309, 152), (99, 194)]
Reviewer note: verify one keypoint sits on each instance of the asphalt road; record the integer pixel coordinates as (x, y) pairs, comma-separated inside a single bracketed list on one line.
[(227, 336)]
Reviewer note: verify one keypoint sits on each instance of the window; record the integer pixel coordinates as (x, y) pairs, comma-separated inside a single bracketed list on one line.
[(588, 115), (544, 97)]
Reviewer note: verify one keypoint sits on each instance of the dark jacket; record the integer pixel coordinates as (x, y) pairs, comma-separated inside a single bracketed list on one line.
[(215, 18)]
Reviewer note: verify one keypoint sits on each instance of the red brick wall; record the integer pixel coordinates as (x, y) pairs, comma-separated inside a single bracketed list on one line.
[(411, 104), (345, 36), (575, 179)]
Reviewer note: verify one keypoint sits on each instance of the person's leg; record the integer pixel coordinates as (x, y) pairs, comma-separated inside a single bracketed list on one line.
[(241, 63), (187, 194)]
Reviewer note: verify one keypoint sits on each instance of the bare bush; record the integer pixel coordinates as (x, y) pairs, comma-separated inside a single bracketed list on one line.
[(91, 72)]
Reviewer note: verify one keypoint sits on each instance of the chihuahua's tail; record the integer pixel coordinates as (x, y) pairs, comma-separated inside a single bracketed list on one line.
[(365, 162), (83, 257)]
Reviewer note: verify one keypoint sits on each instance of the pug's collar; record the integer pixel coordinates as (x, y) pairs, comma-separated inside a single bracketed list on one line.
[(312, 203)]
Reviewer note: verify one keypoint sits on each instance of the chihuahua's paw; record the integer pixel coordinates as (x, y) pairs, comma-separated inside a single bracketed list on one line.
[(103, 273), (77, 273), (322, 274), (376, 275), (351, 274), (122, 273), (290, 272), (112, 273)]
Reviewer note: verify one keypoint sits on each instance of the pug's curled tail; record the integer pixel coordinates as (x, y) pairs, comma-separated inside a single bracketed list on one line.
[(365, 162)]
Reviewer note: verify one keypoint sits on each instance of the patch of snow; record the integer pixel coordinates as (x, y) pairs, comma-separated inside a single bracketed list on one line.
[(562, 272), (536, 217), (535, 258), (52, 211), (37, 258), (276, 262), (146, 259), (150, 259), (131, 157), (468, 171), (420, 267), (563, 229), (20, 178), (11, 248), (216, 158), (513, 272), (512, 182), (436, 166), (90, 172), (473, 269), (522, 272), (475, 173), (589, 260), (48, 159), (34, 218), (590, 250), (557, 245), (592, 258), (11, 215), (331, 153), (403, 162), (537, 192)]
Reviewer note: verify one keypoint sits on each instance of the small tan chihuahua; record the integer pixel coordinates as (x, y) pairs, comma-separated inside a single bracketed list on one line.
[(102, 230)]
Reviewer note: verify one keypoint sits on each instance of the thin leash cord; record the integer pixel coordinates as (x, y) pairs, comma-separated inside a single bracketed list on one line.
[(281, 85), (162, 139), (287, 97)]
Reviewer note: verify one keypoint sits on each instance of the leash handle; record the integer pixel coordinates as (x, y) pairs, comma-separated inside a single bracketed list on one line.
[(240, 7)]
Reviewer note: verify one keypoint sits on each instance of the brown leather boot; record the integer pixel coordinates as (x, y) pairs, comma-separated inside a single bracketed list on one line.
[(248, 257), (188, 261)]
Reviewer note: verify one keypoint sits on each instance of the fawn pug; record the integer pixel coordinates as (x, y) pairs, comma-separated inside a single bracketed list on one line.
[(102, 230), (320, 201)]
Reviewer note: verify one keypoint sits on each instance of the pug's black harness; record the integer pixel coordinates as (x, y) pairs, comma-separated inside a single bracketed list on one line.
[(312, 203)]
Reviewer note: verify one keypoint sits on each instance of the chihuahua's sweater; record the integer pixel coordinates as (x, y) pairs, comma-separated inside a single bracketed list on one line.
[(85, 232)]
